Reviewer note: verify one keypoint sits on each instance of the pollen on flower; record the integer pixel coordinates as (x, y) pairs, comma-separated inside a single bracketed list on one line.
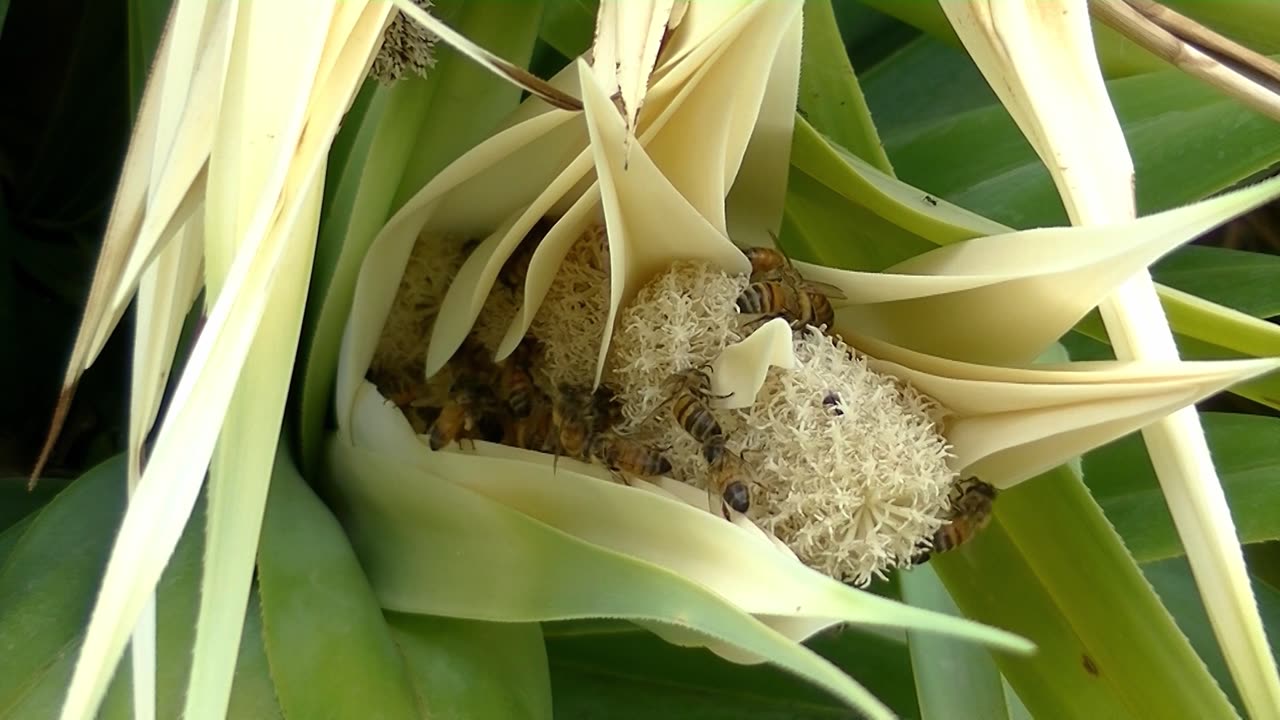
[(845, 466), (570, 321), (680, 320), (397, 366), (850, 465), (853, 464), (407, 49)]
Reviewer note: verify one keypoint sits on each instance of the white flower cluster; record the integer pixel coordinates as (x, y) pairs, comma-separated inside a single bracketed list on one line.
[(849, 465)]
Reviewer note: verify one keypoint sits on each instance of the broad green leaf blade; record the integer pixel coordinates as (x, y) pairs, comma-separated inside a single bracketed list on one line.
[(1247, 456), (1187, 142), (56, 560), (616, 669), (471, 669), (567, 26), (830, 98), (1051, 566), (953, 681), (534, 572), (49, 576), (336, 633), (1118, 55), (462, 103), (1173, 581), (1240, 280)]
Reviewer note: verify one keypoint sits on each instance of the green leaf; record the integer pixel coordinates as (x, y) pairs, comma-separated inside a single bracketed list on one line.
[(1240, 280), (616, 668), (1247, 457), (391, 159), (468, 669), (146, 24), (339, 633), (568, 25), (924, 82), (954, 681), (1187, 141), (1051, 568), (536, 572), (1117, 55), (830, 98), (48, 582), (1176, 586), (17, 502), (1250, 23)]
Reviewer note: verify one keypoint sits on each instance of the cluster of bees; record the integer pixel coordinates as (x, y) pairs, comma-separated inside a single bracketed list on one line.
[(502, 402)]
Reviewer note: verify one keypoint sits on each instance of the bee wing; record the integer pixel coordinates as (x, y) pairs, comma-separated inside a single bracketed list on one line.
[(831, 291)]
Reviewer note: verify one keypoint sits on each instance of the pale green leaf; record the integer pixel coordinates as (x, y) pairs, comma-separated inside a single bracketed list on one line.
[(1051, 567), (470, 669), (954, 681), (333, 631)]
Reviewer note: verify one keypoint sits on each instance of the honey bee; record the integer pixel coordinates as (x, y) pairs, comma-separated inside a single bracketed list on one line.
[(971, 501), (778, 290), (573, 413), (469, 414), (606, 409), (535, 431), (515, 384), (688, 392), (516, 267), (625, 456), (728, 482)]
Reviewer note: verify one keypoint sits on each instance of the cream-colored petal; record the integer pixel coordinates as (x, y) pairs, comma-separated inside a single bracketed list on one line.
[(499, 159), (628, 35), (738, 562), (754, 207), (740, 369), (703, 141), (650, 224), (1004, 298), (1009, 424)]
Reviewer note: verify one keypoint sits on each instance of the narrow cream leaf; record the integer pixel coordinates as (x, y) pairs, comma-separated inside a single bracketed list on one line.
[(512, 73), (184, 444), (240, 470), (1002, 299), (117, 244), (241, 466), (721, 106), (1031, 53), (178, 185)]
